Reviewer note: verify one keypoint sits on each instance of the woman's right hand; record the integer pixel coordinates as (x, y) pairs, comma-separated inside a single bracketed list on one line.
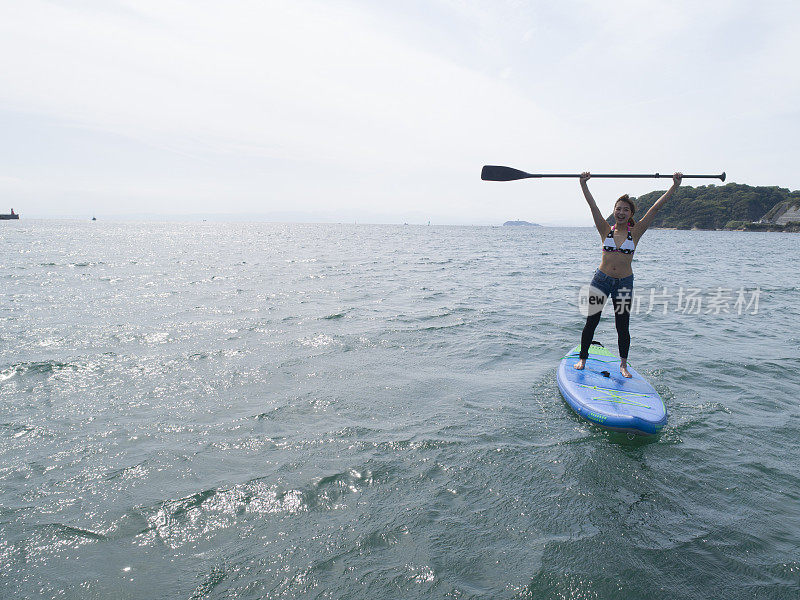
[(585, 176)]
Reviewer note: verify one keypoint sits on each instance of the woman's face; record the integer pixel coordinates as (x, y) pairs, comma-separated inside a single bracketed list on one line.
[(622, 212)]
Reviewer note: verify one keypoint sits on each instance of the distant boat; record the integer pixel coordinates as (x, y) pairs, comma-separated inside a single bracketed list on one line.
[(94, 218), (11, 215)]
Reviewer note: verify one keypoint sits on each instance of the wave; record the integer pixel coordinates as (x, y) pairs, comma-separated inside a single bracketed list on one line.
[(18, 430), (71, 533), (47, 367), (335, 316), (210, 580), (180, 521)]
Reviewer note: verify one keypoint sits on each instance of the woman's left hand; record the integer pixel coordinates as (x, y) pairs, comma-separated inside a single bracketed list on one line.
[(676, 179)]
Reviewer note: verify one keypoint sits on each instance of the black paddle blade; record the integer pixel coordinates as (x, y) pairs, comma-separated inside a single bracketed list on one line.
[(495, 173)]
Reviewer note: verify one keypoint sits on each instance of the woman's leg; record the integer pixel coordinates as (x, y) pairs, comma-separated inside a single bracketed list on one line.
[(588, 330), (599, 289), (588, 333), (622, 319)]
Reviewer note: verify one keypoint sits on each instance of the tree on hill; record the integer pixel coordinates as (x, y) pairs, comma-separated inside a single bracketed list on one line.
[(711, 206)]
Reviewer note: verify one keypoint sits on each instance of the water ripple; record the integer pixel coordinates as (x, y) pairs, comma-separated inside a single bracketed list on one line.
[(253, 410)]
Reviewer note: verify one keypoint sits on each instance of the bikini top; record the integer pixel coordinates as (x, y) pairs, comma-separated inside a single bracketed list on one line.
[(610, 245)]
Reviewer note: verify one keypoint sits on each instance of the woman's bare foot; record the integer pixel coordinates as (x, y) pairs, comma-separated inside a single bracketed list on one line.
[(582, 363), (623, 368)]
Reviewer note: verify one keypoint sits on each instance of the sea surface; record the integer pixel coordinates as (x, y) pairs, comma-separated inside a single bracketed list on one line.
[(257, 410)]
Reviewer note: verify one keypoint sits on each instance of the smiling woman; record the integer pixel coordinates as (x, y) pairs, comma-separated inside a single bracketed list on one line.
[(614, 277)]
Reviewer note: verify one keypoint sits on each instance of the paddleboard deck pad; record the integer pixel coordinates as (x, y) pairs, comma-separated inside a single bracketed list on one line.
[(600, 394)]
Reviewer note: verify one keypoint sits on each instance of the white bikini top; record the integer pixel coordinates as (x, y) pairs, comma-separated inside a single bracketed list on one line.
[(610, 244)]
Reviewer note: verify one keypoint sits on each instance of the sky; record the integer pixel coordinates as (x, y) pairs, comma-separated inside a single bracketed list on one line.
[(385, 112)]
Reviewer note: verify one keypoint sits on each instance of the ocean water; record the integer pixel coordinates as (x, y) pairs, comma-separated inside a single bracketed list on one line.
[(255, 410)]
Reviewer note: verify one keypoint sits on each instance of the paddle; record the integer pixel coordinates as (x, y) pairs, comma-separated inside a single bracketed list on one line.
[(495, 173)]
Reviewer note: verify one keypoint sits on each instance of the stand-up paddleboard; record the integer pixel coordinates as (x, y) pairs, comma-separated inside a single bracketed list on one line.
[(600, 394)]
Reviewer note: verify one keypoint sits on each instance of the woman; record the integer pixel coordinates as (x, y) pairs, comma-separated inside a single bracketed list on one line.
[(614, 277)]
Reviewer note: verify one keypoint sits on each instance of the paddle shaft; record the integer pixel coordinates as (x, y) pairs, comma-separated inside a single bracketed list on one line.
[(497, 173)]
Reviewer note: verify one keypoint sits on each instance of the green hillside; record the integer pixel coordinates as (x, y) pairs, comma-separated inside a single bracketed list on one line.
[(712, 207)]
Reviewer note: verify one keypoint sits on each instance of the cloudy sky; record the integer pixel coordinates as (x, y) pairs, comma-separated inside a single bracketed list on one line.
[(385, 111)]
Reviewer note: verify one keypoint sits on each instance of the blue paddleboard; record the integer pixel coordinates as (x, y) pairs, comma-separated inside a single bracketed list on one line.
[(600, 394)]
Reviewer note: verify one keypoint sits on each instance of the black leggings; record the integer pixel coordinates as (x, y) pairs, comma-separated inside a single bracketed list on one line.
[(622, 318)]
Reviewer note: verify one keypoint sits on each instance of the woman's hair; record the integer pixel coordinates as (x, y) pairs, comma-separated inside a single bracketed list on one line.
[(627, 200)]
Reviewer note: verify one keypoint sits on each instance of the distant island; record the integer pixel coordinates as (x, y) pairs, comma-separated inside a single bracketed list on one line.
[(732, 207), (521, 223)]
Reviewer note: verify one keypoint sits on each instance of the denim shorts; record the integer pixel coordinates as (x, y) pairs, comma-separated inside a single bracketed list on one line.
[(612, 286)]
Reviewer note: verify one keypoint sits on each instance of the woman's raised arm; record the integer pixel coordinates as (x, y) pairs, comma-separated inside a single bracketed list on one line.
[(647, 219), (602, 225)]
